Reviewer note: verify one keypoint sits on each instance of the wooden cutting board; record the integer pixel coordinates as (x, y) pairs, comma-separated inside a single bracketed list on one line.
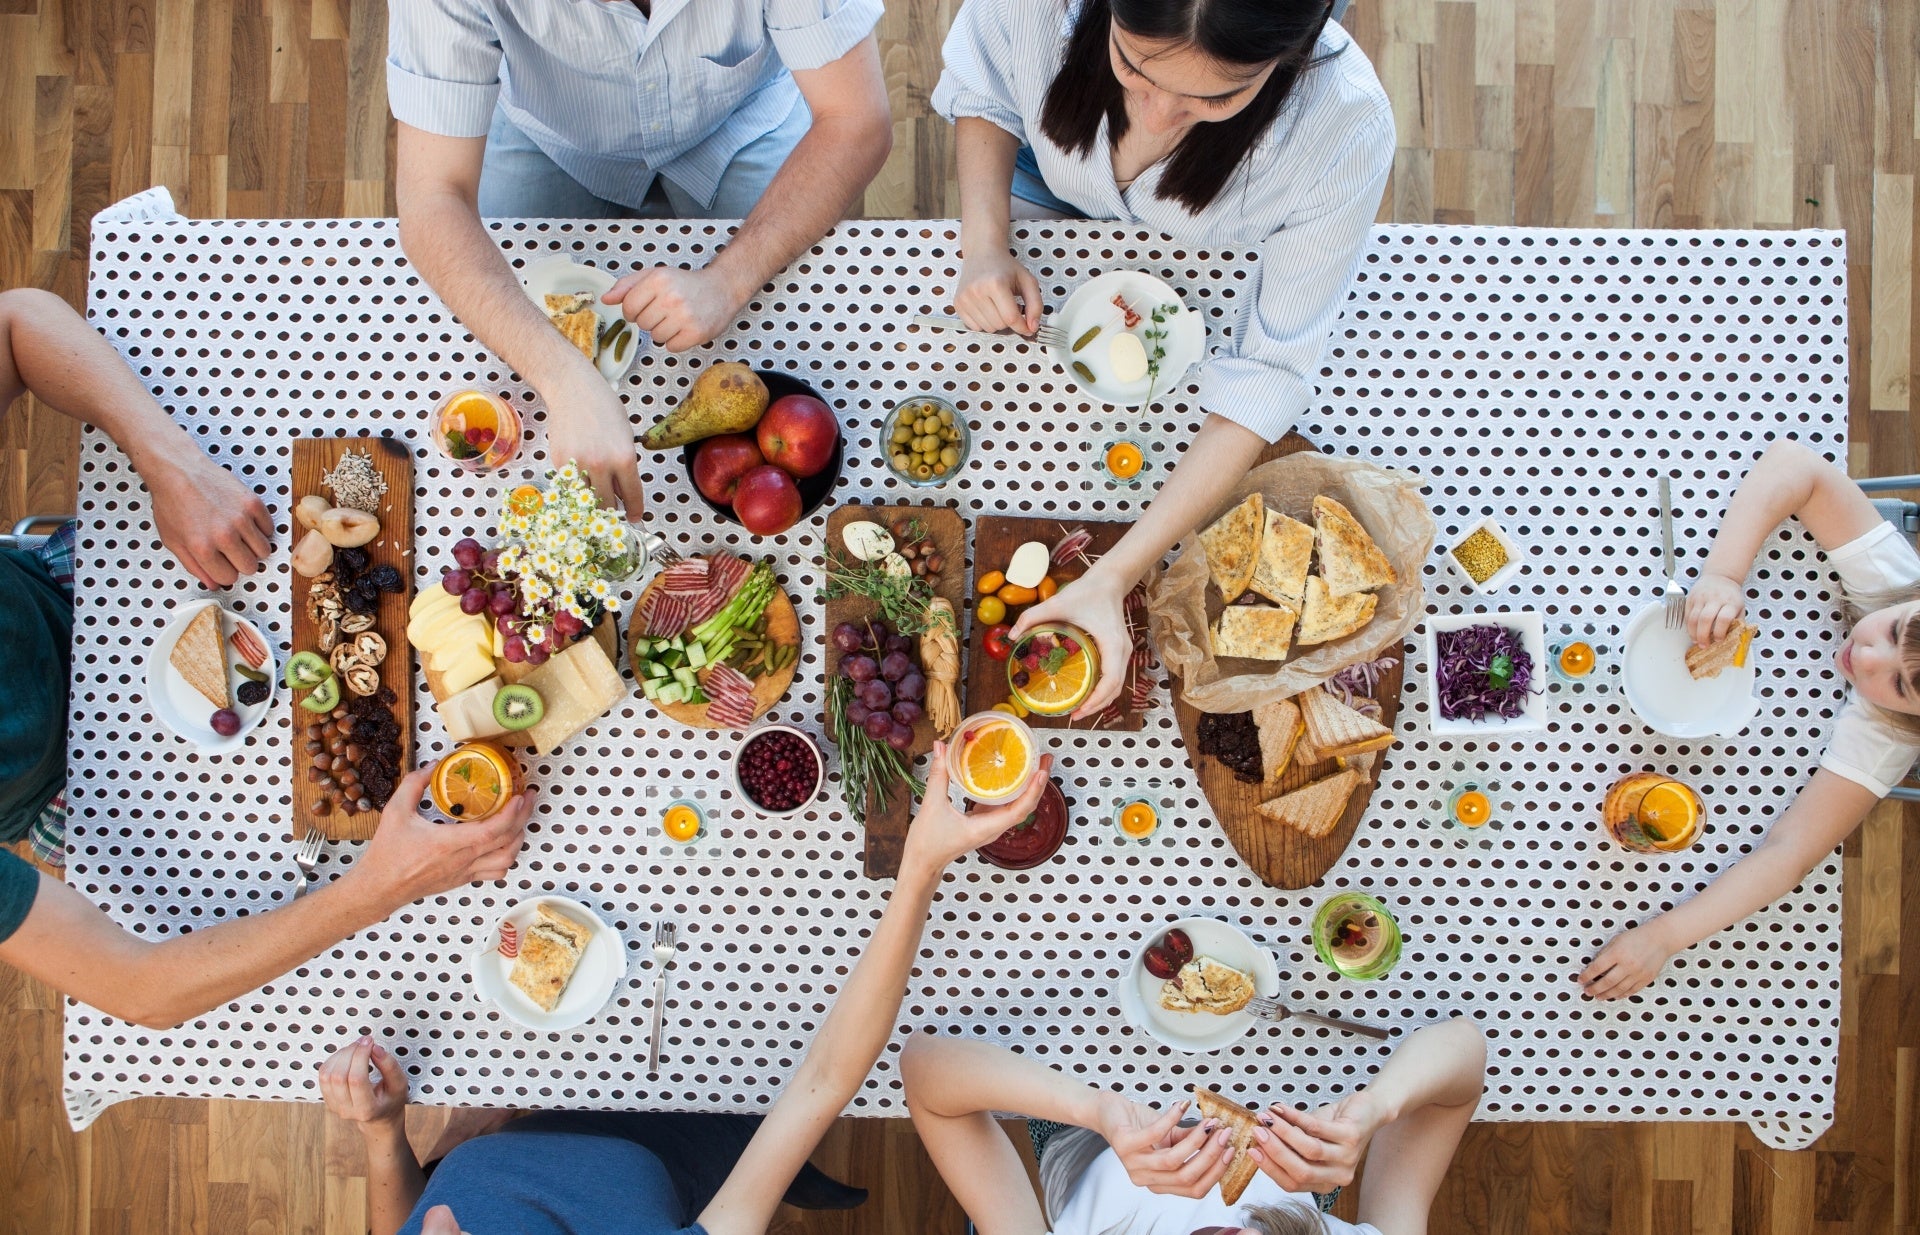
[(995, 537), (312, 458), (783, 627), (1282, 857), (887, 821)]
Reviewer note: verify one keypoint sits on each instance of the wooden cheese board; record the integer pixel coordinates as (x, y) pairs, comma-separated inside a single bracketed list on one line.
[(886, 822), (604, 632), (783, 628), (1279, 855), (995, 537), (313, 457)]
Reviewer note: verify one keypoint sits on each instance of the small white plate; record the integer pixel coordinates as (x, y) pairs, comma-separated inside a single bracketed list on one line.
[(1532, 637), (601, 967), (185, 710), (1196, 1032), (558, 276), (1092, 305), (1662, 692), (1498, 579)]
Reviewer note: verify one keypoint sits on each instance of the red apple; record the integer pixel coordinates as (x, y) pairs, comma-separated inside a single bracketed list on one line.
[(797, 434), (720, 462), (767, 501)]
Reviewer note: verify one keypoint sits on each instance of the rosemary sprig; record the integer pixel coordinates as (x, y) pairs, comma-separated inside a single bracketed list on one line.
[(904, 600), (1156, 335), (867, 767)]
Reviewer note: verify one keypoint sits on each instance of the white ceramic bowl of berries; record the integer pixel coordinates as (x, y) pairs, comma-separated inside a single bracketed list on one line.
[(779, 770)]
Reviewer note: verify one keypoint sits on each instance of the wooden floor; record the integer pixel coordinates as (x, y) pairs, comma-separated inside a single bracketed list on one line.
[(1665, 113)]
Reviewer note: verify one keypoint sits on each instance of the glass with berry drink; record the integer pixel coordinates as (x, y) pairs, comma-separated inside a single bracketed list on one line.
[(477, 430), (1053, 669), (1356, 936)]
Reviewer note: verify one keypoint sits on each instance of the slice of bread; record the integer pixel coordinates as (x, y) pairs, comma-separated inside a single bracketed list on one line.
[(1256, 632), (1205, 985), (1336, 729), (1240, 1122), (1280, 729), (1286, 550), (1324, 619), (1349, 559), (1232, 545), (1729, 650), (1314, 810), (200, 657)]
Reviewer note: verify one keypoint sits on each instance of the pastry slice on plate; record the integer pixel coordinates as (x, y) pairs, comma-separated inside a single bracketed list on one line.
[(550, 950), (1205, 985), (573, 315), (199, 656)]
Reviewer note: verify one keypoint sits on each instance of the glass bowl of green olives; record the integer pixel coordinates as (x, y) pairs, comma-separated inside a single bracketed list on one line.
[(926, 440)]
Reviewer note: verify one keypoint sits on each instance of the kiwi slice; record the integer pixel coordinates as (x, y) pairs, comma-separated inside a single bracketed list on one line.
[(324, 698), (517, 707), (306, 670)]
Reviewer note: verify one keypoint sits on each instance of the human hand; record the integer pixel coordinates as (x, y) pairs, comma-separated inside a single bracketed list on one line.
[(940, 832), (1317, 1151), (1159, 1155), (679, 308), (411, 857), (214, 524), (993, 289), (1096, 605), (1630, 960), (1714, 604), (587, 423), (349, 1091)]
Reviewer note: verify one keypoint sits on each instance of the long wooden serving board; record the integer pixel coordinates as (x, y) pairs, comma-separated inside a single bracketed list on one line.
[(1281, 856), (313, 457), (995, 537), (887, 821)]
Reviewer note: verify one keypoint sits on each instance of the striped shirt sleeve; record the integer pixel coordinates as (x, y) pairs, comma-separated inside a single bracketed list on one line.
[(811, 34), (977, 80), (443, 66)]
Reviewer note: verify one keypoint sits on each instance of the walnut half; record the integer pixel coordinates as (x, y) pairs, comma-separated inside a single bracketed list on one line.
[(362, 679), (370, 648)]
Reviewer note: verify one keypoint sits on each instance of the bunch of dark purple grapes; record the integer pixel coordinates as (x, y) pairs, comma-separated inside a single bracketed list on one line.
[(890, 690)]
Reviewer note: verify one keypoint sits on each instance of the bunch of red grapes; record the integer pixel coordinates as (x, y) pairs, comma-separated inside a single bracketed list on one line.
[(890, 691), (477, 580)]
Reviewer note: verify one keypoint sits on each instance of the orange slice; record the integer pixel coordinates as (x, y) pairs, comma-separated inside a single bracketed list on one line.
[(1124, 460), (1472, 808), (681, 823), (524, 499), (1138, 819), (995, 761), (469, 784), (1052, 694), (1669, 812)]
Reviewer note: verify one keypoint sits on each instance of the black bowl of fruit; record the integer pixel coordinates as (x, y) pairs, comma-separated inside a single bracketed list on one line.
[(771, 476), (779, 770)]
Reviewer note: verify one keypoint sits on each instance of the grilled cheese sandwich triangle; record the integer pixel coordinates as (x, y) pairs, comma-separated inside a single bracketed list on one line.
[(1314, 810), (1336, 729)]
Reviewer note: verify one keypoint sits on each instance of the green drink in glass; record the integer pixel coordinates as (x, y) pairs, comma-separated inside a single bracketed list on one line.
[(1356, 936)]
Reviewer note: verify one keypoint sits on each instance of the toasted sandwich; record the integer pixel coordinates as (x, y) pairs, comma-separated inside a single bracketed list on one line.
[(1324, 619), (1286, 550), (200, 657), (1257, 632), (550, 950), (1349, 559), (1314, 810), (573, 315), (1729, 649), (1240, 1122), (1232, 544), (1280, 729), (1205, 985), (1336, 729)]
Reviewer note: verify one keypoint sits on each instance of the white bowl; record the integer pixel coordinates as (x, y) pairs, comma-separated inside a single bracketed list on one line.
[(185, 710), (1091, 305), (1653, 663), (1532, 637), (1498, 579), (1196, 1032), (556, 276), (819, 771), (601, 968)]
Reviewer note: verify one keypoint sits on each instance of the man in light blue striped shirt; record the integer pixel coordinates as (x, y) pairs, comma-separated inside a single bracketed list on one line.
[(772, 111)]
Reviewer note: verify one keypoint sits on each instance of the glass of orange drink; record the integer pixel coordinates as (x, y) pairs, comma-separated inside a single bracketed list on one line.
[(1053, 669), (1649, 812), (474, 781), (992, 756), (477, 430)]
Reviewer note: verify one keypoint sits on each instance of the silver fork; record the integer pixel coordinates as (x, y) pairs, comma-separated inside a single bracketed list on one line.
[(665, 935), (307, 858), (1269, 1009), (1675, 596), (1047, 335)]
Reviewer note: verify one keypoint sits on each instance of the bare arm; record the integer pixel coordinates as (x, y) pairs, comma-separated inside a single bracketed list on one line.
[(214, 524), (995, 292), (378, 1107), (437, 187), (1825, 813), (822, 178), (68, 943)]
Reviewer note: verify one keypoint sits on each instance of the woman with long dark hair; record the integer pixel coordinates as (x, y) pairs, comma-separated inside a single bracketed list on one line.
[(1224, 123)]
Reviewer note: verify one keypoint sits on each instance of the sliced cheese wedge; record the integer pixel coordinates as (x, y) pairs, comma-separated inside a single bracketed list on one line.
[(469, 714)]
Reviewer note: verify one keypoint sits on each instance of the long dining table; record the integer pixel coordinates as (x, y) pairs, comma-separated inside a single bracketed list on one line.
[(1544, 377)]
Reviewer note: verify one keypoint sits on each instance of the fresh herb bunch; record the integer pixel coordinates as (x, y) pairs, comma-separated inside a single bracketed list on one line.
[(1156, 335), (904, 600), (866, 766)]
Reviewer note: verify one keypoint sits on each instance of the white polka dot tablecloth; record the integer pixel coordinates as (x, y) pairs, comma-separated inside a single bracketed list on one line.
[(1545, 378)]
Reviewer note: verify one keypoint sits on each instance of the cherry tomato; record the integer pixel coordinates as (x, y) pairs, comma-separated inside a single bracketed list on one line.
[(1048, 587), (990, 582), (990, 609), (1014, 594), (997, 644)]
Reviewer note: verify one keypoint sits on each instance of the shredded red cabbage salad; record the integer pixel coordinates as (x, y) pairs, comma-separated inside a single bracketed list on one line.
[(1483, 672)]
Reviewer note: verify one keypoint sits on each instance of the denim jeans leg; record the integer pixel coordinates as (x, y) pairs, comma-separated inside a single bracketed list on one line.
[(748, 175), (519, 181)]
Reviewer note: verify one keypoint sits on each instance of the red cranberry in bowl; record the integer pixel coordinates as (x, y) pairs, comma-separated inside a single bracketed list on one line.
[(778, 770)]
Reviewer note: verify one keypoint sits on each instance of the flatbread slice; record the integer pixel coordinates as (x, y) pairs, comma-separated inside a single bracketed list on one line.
[(1206, 985), (1349, 559), (1314, 810), (1336, 729), (572, 313), (1280, 729), (1257, 632), (1241, 1122), (1232, 544), (550, 950), (1324, 619), (1286, 550), (199, 656), (1729, 650)]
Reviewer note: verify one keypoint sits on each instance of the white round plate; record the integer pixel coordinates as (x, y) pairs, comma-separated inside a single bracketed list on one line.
[(601, 967), (1662, 692), (185, 710), (557, 276), (1196, 1032), (1092, 305)]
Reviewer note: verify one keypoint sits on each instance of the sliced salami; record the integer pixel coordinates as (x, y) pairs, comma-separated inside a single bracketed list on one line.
[(509, 940)]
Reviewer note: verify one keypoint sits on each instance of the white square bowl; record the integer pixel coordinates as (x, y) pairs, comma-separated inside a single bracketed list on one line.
[(1498, 579), (1532, 637)]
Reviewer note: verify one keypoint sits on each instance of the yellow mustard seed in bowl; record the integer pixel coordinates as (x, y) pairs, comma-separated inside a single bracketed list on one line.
[(1481, 555)]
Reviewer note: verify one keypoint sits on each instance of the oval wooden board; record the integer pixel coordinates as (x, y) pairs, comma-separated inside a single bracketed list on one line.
[(1281, 856), (783, 626)]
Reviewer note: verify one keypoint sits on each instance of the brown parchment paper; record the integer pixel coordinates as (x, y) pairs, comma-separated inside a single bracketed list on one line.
[(1181, 607)]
